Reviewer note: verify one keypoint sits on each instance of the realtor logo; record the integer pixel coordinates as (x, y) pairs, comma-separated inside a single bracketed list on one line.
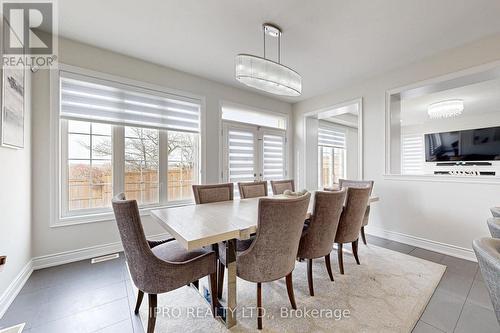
[(28, 37)]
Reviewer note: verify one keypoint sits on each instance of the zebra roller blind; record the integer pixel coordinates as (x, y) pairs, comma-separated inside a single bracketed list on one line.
[(91, 99), (331, 137), (412, 154)]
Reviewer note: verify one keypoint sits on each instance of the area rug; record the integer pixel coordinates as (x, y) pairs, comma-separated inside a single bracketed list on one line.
[(386, 293)]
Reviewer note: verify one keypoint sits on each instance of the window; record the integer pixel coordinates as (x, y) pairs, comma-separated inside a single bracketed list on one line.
[(247, 115), (331, 155), (120, 138), (412, 154)]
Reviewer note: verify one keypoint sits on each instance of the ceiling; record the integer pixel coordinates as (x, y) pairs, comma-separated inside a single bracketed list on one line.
[(330, 42), (479, 99)]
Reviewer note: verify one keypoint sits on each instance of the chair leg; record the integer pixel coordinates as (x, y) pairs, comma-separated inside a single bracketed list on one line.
[(259, 306), (363, 237), (310, 276), (341, 258), (196, 284), (212, 278), (355, 250), (329, 266), (289, 289), (152, 312), (220, 280), (140, 295)]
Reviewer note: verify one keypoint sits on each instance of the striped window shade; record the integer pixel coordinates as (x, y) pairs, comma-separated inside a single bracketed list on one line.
[(91, 99), (274, 157), (412, 154), (241, 158), (331, 137)]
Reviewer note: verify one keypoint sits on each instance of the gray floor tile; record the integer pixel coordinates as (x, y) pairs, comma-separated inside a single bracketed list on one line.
[(399, 247), (479, 295), (477, 319), (25, 309), (423, 327), (376, 240), (121, 327), (462, 266), (427, 255), (443, 310), (456, 283)]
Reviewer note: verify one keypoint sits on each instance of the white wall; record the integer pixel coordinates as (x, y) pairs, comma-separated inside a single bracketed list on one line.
[(15, 205), (49, 240), (446, 215)]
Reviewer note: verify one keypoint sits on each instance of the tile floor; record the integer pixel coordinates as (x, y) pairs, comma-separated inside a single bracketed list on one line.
[(80, 297)]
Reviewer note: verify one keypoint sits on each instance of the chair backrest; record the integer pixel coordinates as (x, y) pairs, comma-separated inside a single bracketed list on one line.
[(273, 252), (253, 189), (280, 186), (318, 239), (488, 256), (213, 193), (137, 251), (343, 183), (494, 226), (495, 211), (352, 216)]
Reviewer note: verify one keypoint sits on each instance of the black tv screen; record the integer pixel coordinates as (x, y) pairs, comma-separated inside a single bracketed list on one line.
[(482, 144)]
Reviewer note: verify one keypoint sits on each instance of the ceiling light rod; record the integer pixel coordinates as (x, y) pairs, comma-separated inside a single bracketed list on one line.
[(274, 31)]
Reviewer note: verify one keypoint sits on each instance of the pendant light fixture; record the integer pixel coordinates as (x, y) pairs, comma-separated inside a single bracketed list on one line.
[(267, 75)]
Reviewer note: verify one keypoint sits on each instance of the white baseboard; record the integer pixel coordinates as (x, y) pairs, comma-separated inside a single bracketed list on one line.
[(83, 254), (448, 249), (15, 287)]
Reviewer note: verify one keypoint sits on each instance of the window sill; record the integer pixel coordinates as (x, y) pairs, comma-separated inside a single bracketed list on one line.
[(109, 216), (490, 180)]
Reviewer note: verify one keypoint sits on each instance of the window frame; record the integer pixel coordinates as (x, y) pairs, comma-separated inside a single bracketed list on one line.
[(57, 195)]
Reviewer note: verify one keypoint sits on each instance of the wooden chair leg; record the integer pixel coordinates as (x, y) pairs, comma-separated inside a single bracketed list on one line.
[(220, 280), (152, 298), (341, 258), (363, 237), (289, 289), (329, 266), (259, 306), (355, 250), (310, 276), (212, 278), (140, 295)]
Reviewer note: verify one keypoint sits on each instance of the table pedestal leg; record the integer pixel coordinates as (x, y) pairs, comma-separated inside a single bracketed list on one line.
[(231, 283)]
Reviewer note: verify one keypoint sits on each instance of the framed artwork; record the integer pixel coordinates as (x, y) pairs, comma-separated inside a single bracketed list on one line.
[(12, 115)]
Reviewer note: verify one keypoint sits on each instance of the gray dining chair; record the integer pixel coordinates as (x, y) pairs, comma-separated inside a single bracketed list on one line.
[(319, 234), (213, 193), (280, 186), (495, 211), (494, 226), (343, 183), (488, 256), (351, 221), (159, 267), (252, 189), (271, 256)]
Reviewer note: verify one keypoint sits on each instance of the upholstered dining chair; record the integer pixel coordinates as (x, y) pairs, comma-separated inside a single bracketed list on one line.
[(271, 256), (204, 194), (159, 267), (488, 256), (280, 186), (494, 226), (495, 211), (318, 236), (351, 221), (359, 183), (213, 193), (253, 189)]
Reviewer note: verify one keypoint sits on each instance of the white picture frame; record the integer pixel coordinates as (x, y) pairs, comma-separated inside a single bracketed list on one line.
[(12, 115)]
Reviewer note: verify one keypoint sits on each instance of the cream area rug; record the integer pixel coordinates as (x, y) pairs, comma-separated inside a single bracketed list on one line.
[(386, 293)]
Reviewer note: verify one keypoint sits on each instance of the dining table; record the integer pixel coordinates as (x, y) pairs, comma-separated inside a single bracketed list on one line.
[(197, 226)]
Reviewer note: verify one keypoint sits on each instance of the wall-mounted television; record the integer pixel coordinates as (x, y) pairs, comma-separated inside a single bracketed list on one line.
[(481, 144)]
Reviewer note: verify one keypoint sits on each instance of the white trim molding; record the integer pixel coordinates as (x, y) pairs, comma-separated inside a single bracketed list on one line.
[(67, 257), (15, 287), (448, 249)]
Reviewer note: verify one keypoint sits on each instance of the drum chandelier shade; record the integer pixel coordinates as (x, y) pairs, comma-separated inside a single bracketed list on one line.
[(267, 75)]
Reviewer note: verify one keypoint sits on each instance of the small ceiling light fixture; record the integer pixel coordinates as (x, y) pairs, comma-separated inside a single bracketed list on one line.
[(267, 75), (446, 109)]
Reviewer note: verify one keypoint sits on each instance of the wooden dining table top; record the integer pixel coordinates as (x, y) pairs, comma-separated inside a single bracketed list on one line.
[(195, 226)]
